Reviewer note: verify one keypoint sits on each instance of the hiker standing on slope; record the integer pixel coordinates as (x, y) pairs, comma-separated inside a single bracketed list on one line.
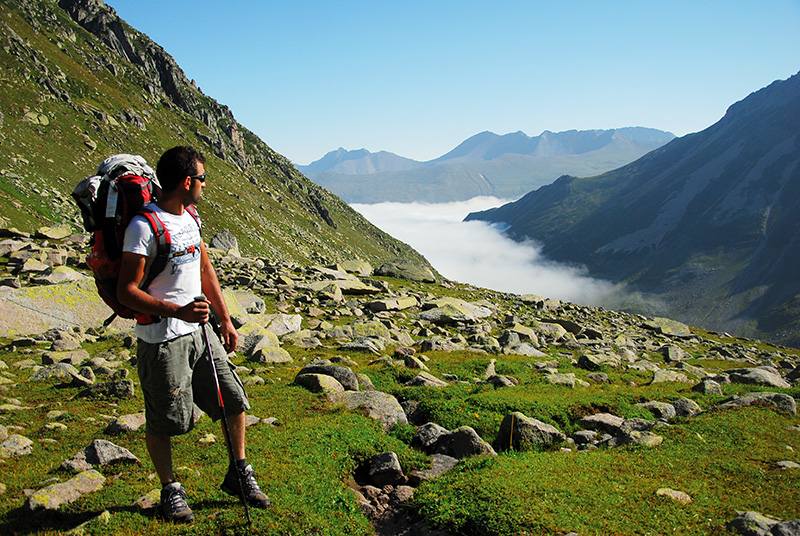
[(173, 370)]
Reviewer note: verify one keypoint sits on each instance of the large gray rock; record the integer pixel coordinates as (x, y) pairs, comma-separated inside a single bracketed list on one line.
[(462, 443), (781, 401), (660, 410), (427, 435), (752, 524), (319, 383), (519, 432), (226, 241), (427, 380), (604, 422), (15, 445), (343, 375), (686, 407), (52, 497), (62, 372), (669, 376), (667, 326), (768, 376), (406, 269), (99, 452), (254, 337), (452, 310), (126, 423), (380, 406), (385, 469), (708, 387), (440, 464)]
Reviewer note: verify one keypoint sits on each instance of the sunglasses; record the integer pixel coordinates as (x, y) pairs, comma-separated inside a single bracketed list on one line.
[(201, 177)]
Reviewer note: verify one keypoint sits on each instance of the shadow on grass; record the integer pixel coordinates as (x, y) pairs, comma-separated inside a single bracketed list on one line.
[(22, 521)]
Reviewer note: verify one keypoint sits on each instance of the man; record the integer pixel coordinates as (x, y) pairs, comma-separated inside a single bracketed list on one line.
[(173, 367)]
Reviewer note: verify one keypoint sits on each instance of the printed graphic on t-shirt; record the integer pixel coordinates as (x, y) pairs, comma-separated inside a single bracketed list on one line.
[(185, 245)]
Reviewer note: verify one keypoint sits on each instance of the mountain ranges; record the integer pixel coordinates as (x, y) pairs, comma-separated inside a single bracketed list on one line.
[(489, 164), (705, 229)]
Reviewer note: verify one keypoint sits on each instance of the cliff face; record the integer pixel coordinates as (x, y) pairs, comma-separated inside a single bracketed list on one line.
[(168, 79), (705, 228), (79, 84)]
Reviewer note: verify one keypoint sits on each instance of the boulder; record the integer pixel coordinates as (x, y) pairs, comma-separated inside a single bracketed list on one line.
[(452, 310), (99, 452), (666, 326), (319, 383), (440, 464), (15, 445), (660, 410), (708, 387), (253, 337), (385, 470), (406, 269), (781, 401), (355, 266), (126, 423), (271, 355), (427, 435), (462, 443), (343, 375), (604, 422), (669, 376), (52, 497), (686, 407), (519, 432), (768, 376), (380, 406), (113, 389), (427, 380)]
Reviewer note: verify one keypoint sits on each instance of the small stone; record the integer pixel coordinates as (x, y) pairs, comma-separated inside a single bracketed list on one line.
[(677, 496)]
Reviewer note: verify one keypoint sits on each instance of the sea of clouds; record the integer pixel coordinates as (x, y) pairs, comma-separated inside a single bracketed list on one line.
[(479, 253)]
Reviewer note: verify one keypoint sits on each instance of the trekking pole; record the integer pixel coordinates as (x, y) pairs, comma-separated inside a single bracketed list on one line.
[(224, 417)]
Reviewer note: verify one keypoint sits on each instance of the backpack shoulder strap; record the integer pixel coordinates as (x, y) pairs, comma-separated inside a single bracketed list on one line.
[(163, 242), (193, 213)]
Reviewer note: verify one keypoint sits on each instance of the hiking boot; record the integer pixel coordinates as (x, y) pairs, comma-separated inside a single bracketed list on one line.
[(255, 497), (173, 503)]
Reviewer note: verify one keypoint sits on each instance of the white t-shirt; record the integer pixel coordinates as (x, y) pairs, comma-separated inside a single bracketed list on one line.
[(179, 282)]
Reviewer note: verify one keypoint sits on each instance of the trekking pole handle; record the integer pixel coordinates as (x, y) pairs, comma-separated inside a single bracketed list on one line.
[(199, 299)]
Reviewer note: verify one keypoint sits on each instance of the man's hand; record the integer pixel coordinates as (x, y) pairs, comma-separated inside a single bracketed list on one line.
[(195, 312), (230, 337)]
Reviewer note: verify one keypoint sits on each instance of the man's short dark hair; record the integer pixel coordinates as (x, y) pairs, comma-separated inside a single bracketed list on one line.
[(176, 164)]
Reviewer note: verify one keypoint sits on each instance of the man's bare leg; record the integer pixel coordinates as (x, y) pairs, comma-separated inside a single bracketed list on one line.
[(160, 450)]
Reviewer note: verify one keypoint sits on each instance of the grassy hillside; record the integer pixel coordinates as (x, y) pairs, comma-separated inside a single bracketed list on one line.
[(68, 100)]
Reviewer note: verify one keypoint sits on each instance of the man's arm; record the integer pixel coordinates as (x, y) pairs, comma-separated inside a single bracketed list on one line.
[(213, 292), (129, 294)]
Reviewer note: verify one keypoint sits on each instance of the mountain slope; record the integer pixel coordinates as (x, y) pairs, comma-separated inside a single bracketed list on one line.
[(706, 227), (505, 166), (78, 84)]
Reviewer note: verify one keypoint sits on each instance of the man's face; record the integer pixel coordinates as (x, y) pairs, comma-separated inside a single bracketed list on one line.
[(197, 186)]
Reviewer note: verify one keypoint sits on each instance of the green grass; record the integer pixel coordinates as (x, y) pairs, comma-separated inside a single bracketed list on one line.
[(303, 464), (722, 460)]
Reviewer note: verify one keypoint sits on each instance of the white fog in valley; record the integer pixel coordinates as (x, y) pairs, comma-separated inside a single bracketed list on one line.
[(478, 253)]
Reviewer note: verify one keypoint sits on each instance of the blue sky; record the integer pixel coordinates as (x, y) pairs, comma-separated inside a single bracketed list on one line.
[(418, 77)]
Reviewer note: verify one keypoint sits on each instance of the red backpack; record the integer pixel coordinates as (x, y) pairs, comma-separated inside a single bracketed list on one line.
[(108, 201)]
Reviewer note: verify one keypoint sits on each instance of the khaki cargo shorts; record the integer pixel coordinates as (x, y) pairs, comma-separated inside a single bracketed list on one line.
[(176, 374)]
